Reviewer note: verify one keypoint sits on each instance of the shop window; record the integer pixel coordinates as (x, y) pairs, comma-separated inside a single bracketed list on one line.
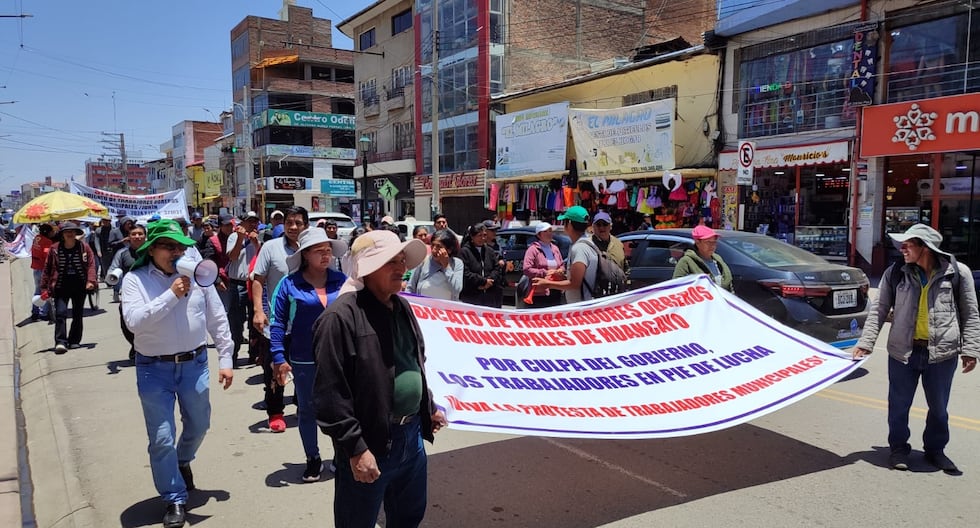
[(795, 91), (927, 59)]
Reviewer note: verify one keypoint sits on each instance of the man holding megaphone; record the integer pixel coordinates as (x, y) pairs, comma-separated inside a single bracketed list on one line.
[(171, 316), (122, 261)]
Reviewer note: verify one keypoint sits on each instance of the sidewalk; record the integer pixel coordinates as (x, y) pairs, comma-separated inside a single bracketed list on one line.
[(10, 514)]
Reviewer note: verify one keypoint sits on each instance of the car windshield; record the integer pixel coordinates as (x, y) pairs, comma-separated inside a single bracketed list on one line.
[(344, 224), (772, 252)]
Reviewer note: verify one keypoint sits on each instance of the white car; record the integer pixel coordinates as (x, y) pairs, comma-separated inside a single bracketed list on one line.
[(408, 225), (345, 225)]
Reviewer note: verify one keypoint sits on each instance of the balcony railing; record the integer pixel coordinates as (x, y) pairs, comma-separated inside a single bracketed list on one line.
[(394, 155)]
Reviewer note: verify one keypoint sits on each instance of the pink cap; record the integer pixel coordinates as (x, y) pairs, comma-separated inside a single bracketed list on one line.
[(703, 232)]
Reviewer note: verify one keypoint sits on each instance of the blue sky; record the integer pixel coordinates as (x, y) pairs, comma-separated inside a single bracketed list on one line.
[(165, 62)]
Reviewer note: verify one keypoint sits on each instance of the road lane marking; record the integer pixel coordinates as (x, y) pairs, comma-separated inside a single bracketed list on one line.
[(609, 465), (875, 403)]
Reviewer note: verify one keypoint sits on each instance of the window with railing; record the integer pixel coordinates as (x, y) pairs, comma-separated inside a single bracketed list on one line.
[(784, 88), (933, 58), (400, 78), (368, 92), (404, 135)]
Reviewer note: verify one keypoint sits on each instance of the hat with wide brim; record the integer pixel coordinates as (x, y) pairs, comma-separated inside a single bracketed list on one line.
[(165, 228), (374, 249), (308, 238), (929, 236)]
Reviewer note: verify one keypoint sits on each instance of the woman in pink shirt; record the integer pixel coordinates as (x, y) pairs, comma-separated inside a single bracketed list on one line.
[(544, 259)]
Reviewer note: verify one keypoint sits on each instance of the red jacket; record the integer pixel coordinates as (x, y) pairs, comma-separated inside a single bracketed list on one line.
[(51, 268), (39, 251)]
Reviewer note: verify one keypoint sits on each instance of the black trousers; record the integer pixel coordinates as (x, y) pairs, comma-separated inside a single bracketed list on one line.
[(273, 392), (76, 294)]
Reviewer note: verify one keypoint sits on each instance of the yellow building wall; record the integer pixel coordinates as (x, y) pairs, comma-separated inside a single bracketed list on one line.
[(697, 101)]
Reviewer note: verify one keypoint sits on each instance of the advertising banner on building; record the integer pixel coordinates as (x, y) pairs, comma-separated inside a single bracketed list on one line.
[(532, 141), (626, 140), (171, 204), (818, 154), (679, 358), (337, 187), (864, 64), (290, 118), (306, 151), (941, 124)]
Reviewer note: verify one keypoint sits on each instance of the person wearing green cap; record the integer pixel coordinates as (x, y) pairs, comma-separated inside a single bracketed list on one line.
[(583, 258), (170, 317)]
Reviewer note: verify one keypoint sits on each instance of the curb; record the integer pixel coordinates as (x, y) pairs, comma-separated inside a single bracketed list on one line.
[(10, 426), (51, 471)]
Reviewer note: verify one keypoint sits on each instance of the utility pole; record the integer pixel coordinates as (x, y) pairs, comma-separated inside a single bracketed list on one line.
[(120, 147), (249, 171), (435, 109)]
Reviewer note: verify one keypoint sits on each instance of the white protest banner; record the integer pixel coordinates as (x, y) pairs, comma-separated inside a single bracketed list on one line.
[(139, 207), (627, 140), (20, 247), (532, 140), (678, 358)]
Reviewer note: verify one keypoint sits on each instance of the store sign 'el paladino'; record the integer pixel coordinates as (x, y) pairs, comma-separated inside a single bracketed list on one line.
[(289, 118)]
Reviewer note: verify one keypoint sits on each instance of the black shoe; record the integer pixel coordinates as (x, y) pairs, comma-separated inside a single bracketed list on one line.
[(313, 468), (185, 471), (175, 516), (941, 461), (73, 346), (60, 348), (899, 460)]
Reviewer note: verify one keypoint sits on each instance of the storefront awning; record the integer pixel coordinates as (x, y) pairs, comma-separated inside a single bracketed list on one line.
[(545, 176), (817, 154)]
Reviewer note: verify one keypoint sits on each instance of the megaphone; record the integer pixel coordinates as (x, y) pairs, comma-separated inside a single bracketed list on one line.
[(113, 278), (38, 301), (204, 272)]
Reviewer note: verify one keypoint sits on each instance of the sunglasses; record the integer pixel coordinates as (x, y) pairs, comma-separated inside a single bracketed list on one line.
[(169, 246)]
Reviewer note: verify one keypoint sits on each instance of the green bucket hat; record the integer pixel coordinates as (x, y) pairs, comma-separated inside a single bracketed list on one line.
[(164, 228)]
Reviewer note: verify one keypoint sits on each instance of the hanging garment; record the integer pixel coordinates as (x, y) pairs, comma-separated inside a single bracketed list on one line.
[(532, 199), (511, 194), (654, 200), (633, 193), (494, 195), (678, 195), (569, 198), (622, 199)]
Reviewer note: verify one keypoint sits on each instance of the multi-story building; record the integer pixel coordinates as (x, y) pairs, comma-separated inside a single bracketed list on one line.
[(386, 96), (294, 112), (108, 174), (187, 144), (864, 118), (493, 47), (31, 190)]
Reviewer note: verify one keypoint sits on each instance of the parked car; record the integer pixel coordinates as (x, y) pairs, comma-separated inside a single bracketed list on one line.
[(408, 225), (513, 243), (344, 223), (797, 288)]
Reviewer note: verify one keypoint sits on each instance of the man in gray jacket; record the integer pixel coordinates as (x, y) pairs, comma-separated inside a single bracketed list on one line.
[(932, 325)]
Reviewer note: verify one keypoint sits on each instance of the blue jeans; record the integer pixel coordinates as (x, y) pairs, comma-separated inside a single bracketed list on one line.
[(41, 312), (401, 486), (903, 379), (303, 378), (159, 384)]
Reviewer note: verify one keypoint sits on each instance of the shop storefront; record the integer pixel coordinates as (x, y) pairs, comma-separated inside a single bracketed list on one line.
[(462, 195), (800, 195), (931, 151)]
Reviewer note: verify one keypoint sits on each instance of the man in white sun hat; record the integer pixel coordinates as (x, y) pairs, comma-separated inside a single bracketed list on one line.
[(935, 321), (377, 412)]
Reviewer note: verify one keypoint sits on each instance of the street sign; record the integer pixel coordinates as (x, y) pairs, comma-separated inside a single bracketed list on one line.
[(746, 156), (388, 190)]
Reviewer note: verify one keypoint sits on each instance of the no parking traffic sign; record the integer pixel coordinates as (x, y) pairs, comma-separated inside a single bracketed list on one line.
[(746, 155)]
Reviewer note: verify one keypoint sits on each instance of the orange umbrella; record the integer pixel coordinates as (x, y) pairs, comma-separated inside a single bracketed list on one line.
[(58, 205)]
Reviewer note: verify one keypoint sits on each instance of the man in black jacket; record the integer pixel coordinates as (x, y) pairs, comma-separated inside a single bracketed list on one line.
[(370, 393), (483, 272)]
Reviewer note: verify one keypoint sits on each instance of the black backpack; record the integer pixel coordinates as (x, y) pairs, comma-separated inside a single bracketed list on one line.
[(610, 279), (896, 276)]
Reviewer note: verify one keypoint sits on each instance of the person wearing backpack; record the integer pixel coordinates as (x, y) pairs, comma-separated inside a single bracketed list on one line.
[(583, 259), (703, 259), (935, 320)]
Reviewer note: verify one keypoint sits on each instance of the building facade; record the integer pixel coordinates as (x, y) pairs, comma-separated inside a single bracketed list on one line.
[(484, 48), (385, 78), (864, 120), (294, 112), (108, 174), (187, 144)]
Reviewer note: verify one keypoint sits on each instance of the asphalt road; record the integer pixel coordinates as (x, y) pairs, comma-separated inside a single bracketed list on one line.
[(820, 462)]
